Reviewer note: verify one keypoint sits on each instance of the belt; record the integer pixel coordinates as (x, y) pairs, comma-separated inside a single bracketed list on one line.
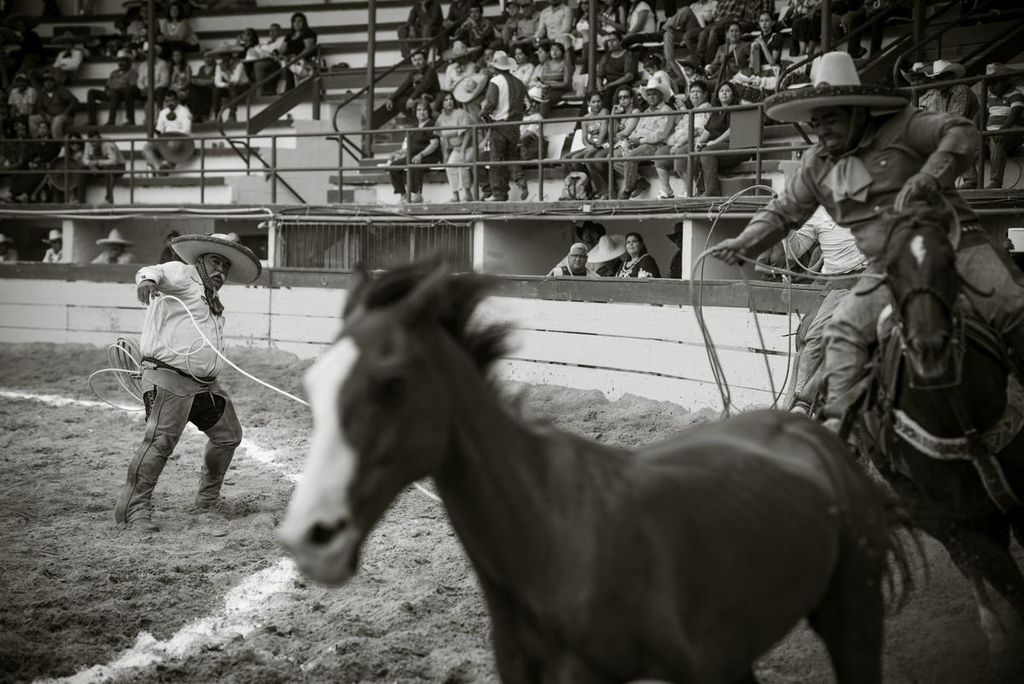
[(166, 366)]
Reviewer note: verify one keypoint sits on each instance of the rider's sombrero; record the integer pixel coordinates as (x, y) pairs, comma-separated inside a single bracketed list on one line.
[(245, 267), (834, 83), (176, 148)]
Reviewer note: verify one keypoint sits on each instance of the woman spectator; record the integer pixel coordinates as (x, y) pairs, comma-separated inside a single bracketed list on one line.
[(731, 56), (419, 147), (638, 263), (181, 76), (200, 89), (766, 50), (641, 24), (264, 60), (621, 128), (26, 187), (716, 137), (300, 43), (678, 143), (452, 144), (104, 159), (804, 17), (594, 127), (176, 31), (525, 66), (616, 68), (555, 76), (248, 41)]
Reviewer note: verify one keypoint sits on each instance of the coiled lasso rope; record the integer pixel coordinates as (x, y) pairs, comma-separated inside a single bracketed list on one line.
[(193, 349)]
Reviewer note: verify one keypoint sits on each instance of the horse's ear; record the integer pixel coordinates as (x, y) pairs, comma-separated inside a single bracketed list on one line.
[(356, 290), (428, 297)]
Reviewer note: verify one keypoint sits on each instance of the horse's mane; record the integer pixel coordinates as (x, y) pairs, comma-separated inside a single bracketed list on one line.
[(452, 306)]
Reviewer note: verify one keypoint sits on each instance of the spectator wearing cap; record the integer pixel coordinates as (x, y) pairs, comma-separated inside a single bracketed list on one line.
[(22, 96), (161, 76), (176, 32), (174, 120), (424, 22), (684, 27), (229, 82), (55, 104), (615, 69), (54, 251), (531, 145), (456, 121), (675, 268), (649, 134), (8, 254), (1005, 110), (574, 265), (476, 30), (68, 61), (554, 75), (958, 100), (554, 24), (606, 257), (121, 87), (504, 102), (103, 158), (115, 249)]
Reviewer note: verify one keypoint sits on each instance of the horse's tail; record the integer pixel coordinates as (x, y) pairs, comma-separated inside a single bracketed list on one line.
[(903, 545)]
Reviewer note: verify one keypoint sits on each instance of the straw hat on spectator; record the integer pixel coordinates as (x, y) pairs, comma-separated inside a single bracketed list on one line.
[(661, 86), (459, 50), (608, 247), (834, 83), (942, 67), (502, 62), (54, 236), (114, 238), (245, 267)]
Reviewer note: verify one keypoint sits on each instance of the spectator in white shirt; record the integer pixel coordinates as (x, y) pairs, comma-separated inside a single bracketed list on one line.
[(161, 76), (69, 59), (229, 81), (173, 120), (266, 59)]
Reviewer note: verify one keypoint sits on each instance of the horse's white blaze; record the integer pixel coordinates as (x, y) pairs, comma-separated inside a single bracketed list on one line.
[(918, 249), (322, 492)]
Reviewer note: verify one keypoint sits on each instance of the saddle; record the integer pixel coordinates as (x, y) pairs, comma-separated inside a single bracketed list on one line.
[(886, 424)]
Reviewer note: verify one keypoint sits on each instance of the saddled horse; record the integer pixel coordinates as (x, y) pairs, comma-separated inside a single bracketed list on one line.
[(682, 562), (946, 428)]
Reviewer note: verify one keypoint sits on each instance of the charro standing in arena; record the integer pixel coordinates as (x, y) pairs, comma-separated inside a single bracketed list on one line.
[(179, 377), (877, 153)]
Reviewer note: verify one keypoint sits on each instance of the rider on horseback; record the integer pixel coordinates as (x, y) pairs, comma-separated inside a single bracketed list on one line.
[(876, 153)]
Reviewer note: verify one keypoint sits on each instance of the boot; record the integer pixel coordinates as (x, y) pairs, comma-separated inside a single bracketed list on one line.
[(216, 460), (134, 504)]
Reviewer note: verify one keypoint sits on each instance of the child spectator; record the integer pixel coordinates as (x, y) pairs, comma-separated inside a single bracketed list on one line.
[(594, 127), (653, 68), (22, 97), (55, 104), (453, 142), (164, 152), (201, 87), (423, 24), (531, 144), (104, 159), (121, 87), (229, 81)]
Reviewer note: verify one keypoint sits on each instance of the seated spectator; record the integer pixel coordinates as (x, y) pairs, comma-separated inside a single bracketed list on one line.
[(574, 264), (115, 249), (675, 269), (531, 144), (167, 254), (653, 69), (580, 33), (716, 137), (265, 60), (300, 43), (104, 159), (730, 57), (8, 254), (685, 27), (606, 257), (622, 128), (65, 183), (460, 64), (419, 147), (54, 250), (638, 263), (425, 21), (453, 144), (649, 134), (458, 10), (616, 68), (679, 143), (176, 32), (641, 24), (742, 12), (594, 125), (247, 40), (525, 66), (1005, 110), (174, 121), (958, 100), (70, 58), (766, 50), (40, 153), (29, 54), (229, 81), (554, 76), (121, 87), (22, 97), (136, 29), (422, 80), (476, 30), (161, 76), (56, 105), (181, 76), (200, 89), (522, 31), (554, 24), (14, 153)]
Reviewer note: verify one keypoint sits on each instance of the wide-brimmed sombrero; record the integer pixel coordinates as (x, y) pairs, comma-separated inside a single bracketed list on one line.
[(54, 235), (834, 83), (245, 267), (114, 238), (607, 248), (176, 148), (469, 87), (459, 49)]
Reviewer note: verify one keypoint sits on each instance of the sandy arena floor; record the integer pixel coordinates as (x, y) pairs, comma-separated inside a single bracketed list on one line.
[(77, 592)]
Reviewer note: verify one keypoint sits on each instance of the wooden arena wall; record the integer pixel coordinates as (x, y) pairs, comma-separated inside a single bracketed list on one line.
[(614, 336)]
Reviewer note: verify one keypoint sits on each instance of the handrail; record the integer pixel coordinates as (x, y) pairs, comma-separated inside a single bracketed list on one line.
[(978, 54)]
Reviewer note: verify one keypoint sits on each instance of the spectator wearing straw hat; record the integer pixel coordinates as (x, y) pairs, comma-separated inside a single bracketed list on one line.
[(68, 61), (504, 102), (173, 144), (121, 87), (115, 249), (605, 258), (179, 378), (958, 100), (55, 104), (7, 251), (54, 247), (1005, 110)]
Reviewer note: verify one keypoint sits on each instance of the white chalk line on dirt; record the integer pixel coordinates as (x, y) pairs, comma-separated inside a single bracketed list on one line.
[(237, 618)]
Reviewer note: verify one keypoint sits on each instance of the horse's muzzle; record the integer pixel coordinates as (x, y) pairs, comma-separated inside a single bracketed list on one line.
[(931, 358), (328, 554)]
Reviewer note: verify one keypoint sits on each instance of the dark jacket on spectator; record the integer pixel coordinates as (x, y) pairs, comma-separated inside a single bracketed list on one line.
[(120, 80), (60, 100), (415, 84), (424, 14), (458, 11)]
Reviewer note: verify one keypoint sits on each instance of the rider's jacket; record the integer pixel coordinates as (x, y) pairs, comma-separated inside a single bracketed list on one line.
[(858, 188)]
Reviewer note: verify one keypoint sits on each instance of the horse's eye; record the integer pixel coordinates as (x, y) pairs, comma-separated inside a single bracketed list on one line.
[(388, 390)]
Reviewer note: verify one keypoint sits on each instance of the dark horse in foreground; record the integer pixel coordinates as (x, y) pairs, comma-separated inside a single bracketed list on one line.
[(946, 427), (683, 562)]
